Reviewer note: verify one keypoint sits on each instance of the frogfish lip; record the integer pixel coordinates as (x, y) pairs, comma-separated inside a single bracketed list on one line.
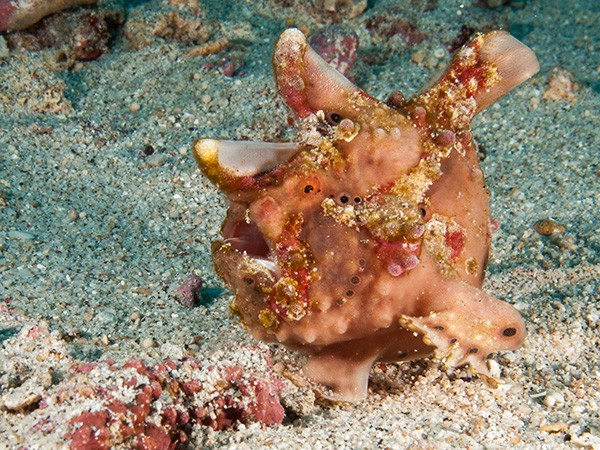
[(245, 241)]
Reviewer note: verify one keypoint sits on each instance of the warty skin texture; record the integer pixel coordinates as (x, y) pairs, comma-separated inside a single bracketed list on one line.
[(368, 239)]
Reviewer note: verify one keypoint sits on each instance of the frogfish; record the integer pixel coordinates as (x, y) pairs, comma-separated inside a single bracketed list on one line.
[(367, 239)]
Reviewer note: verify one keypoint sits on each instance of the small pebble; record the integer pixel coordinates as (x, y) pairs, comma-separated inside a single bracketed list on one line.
[(552, 398), (73, 215), (155, 160), (135, 315), (430, 61), (494, 368), (547, 227), (576, 326), (563, 242), (148, 343), (419, 56), (16, 401), (105, 317), (134, 107), (592, 319), (206, 99), (4, 52), (439, 53), (188, 294), (229, 68)]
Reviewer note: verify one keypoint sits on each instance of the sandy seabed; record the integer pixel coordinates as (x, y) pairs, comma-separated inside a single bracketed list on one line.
[(103, 215)]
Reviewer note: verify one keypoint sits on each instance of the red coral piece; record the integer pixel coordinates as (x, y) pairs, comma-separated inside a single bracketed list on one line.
[(249, 398), (170, 364), (139, 414), (266, 407), (93, 434), (156, 389), (182, 418), (154, 438), (143, 399), (191, 387), (131, 382), (83, 368), (85, 438), (169, 417), (117, 407), (157, 372), (138, 365), (93, 419), (230, 413)]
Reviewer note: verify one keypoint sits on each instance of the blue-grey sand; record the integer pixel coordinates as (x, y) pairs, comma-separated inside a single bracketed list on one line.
[(103, 215)]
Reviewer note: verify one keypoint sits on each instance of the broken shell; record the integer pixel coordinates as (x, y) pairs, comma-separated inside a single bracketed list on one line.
[(547, 227)]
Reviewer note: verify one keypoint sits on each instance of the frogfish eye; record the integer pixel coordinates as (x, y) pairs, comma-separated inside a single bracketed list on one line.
[(309, 186)]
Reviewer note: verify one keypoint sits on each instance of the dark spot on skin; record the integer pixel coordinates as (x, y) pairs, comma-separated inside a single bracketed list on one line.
[(438, 327), (308, 188), (328, 387), (342, 198), (355, 280), (423, 212), (453, 340), (349, 293), (357, 200), (401, 354), (249, 281), (362, 262), (508, 332), (473, 350)]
